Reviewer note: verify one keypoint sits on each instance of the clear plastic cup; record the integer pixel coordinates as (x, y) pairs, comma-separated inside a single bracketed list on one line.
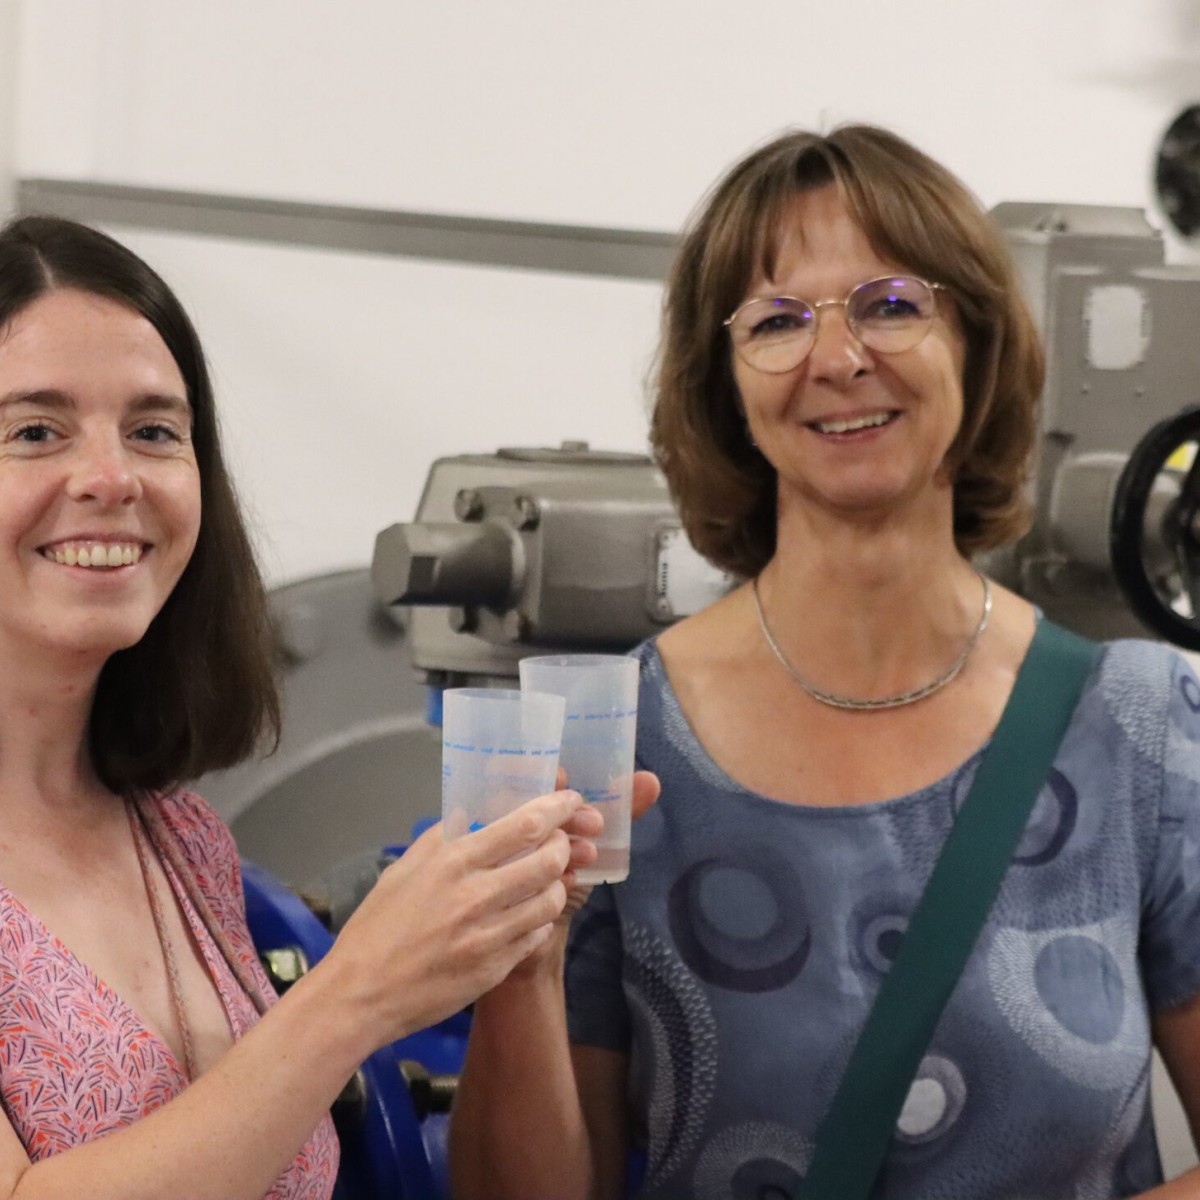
[(499, 748), (601, 694)]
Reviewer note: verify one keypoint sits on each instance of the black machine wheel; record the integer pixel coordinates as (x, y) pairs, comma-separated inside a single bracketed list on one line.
[(1166, 595), (1177, 172)]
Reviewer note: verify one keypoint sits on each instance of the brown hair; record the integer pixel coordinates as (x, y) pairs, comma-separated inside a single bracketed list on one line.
[(913, 212), (197, 692)]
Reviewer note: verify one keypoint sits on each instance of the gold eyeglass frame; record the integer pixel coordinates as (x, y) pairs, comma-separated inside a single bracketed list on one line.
[(934, 288)]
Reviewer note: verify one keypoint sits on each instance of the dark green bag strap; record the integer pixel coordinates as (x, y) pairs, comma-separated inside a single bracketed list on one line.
[(854, 1136)]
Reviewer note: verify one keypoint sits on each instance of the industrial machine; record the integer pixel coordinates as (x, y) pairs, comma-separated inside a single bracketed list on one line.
[(1113, 549), (532, 550)]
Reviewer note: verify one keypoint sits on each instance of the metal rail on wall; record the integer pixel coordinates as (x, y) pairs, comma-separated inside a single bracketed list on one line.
[(528, 245)]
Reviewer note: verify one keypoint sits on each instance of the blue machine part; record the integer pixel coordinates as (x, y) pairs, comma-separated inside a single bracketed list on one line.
[(388, 1152), (433, 706)]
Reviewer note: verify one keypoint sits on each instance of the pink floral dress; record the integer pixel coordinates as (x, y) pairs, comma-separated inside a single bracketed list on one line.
[(76, 1062)]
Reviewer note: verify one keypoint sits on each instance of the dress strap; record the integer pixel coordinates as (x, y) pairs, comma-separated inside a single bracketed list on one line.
[(164, 941), (169, 848)]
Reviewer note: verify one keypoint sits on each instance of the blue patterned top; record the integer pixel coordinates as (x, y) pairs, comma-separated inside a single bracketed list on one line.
[(738, 962)]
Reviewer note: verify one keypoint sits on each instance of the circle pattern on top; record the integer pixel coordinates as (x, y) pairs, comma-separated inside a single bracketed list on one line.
[(1068, 972), (755, 1160), (741, 922), (880, 940), (1183, 732), (876, 929), (679, 1073), (1071, 995), (934, 1103), (1051, 822)]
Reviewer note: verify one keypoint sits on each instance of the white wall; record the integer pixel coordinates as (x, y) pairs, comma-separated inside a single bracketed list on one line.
[(342, 377), (561, 110), (9, 53)]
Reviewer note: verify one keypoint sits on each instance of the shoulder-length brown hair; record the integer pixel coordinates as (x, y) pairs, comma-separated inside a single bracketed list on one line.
[(197, 692), (914, 213)]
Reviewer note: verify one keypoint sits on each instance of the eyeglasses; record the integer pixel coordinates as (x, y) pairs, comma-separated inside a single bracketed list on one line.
[(890, 314)]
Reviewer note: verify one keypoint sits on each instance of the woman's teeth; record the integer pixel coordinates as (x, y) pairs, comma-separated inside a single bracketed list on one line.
[(96, 554), (854, 425)]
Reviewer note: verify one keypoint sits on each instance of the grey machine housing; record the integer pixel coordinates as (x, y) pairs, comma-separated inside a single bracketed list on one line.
[(533, 551), (1122, 356)]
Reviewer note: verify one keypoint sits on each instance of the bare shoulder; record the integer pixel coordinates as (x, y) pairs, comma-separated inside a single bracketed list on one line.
[(709, 659), (707, 640)]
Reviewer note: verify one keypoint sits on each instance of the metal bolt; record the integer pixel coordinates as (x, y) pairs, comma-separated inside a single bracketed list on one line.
[(284, 966), (525, 514), (430, 1092), (468, 505)]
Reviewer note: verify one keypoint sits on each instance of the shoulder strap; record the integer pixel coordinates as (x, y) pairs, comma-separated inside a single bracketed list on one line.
[(170, 849), (854, 1136)]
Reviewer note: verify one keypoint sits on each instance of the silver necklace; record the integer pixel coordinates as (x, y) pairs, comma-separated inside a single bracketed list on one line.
[(888, 701)]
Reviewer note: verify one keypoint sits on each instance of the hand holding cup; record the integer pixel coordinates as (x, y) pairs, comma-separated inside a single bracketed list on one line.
[(600, 692)]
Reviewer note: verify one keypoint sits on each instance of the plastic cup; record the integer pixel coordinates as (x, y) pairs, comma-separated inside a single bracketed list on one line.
[(601, 694), (499, 749)]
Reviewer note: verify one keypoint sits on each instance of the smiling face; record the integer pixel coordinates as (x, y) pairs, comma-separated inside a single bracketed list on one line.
[(853, 430), (99, 488)]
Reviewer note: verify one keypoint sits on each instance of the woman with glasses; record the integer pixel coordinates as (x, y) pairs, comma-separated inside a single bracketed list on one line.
[(845, 414), (142, 1051)]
